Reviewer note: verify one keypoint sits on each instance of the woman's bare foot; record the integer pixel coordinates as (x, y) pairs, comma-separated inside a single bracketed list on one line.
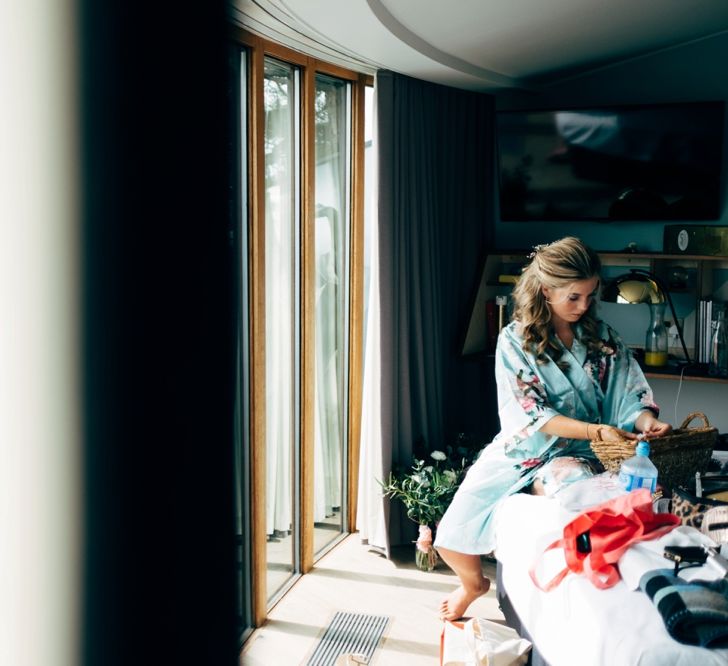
[(457, 602)]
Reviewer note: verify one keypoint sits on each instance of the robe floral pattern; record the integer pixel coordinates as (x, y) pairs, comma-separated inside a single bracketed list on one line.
[(602, 386)]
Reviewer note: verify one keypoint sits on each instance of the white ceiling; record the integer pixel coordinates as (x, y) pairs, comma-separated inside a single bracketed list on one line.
[(483, 44)]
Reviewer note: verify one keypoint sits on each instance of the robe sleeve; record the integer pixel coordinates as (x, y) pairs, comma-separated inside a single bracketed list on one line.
[(628, 393), (523, 403)]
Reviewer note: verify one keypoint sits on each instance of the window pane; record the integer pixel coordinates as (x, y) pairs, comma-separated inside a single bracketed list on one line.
[(332, 102), (281, 250), (238, 159)]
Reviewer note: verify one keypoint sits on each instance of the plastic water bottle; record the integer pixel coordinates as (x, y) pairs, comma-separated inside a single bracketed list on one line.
[(638, 471)]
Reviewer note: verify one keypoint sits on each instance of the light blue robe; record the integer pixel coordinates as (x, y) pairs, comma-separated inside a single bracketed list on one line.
[(607, 386)]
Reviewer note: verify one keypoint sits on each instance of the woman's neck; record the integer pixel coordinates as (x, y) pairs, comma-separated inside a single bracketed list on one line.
[(564, 332)]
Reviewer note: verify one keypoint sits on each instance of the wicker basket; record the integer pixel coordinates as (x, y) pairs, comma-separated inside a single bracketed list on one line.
[(677, 456)]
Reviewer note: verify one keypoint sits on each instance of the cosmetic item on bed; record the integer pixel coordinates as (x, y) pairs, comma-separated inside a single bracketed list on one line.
[(715, 524), (638, 471), (716, 560), (685, 556)]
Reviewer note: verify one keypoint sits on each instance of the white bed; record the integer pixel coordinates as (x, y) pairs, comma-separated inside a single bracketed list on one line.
[(577, 624)]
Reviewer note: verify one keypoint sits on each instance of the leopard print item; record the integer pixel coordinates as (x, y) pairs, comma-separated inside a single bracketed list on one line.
[(689, 509)]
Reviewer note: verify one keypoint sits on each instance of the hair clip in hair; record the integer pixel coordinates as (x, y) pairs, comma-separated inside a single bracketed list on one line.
[(537, 249)]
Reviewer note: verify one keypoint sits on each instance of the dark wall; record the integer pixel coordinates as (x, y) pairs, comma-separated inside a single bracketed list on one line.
[(158, 563), (690, 73)]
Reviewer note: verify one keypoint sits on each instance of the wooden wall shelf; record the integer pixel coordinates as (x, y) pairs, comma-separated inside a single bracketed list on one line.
[(703, 286)]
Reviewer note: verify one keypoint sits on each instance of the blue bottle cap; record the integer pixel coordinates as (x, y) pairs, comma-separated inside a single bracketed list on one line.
[(643, 448)]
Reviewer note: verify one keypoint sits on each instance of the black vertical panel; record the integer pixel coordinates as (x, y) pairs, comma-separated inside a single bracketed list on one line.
[(237, 214), (159, 583)]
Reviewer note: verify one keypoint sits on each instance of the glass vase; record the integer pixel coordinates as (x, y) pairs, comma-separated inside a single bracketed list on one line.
[(656, 338), (425, 554)]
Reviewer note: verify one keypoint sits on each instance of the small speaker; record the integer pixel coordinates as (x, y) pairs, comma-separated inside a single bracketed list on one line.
[(696, 239)]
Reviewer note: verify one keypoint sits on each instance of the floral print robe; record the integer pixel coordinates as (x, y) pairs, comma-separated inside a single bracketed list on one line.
[(607, 386)]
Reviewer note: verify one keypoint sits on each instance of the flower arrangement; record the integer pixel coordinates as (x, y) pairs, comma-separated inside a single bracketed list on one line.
[(426, 490)]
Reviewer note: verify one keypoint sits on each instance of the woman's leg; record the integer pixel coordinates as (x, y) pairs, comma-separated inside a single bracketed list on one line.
[(472, 583), (559, 472)]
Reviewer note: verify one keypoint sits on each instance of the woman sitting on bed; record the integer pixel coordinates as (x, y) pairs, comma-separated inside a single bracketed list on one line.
[(564, 378)]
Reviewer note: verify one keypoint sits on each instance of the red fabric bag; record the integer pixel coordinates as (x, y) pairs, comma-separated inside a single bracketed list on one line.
[(594, 541)]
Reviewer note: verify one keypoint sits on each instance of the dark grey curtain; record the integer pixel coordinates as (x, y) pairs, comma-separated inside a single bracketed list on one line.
[(435, 161)]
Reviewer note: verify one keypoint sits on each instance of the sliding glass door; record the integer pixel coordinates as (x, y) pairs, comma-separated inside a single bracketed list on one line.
[(282, 319), (300, 346), (332, 215)]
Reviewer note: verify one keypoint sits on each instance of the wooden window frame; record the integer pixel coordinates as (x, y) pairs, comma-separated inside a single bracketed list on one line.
[(258, 49)]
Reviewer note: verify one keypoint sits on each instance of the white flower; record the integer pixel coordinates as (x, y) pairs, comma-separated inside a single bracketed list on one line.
[(450, 475), (438, 455)]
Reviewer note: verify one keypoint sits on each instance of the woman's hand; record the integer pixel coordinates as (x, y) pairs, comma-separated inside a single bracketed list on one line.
[(657, 429), (607, 433), (650, 426)]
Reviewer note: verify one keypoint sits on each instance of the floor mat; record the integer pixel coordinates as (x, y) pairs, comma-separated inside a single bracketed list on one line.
[(349, 633)]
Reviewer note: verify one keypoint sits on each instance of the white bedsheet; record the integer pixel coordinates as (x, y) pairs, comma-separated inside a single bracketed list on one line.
[(577, 624)]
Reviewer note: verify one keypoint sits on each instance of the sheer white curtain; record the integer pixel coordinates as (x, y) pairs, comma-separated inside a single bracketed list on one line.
[(329, 341), (279, 364), (279, 248), (331, 233), (371, 520)]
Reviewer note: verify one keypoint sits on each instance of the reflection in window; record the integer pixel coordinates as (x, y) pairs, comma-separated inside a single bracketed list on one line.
[(332, 103), (281, 249)]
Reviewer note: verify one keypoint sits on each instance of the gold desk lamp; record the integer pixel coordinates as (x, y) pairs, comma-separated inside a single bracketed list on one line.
[(642, 286)]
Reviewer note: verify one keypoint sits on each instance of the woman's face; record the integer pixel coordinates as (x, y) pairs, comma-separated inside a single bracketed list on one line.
[(569, 303)]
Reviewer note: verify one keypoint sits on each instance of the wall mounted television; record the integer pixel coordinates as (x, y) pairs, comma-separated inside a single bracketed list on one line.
[(629, 163)]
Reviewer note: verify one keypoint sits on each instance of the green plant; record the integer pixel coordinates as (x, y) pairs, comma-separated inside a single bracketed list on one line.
[(426, 491), (427, 488)]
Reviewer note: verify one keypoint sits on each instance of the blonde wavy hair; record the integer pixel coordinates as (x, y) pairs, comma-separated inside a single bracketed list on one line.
[(555, 266)]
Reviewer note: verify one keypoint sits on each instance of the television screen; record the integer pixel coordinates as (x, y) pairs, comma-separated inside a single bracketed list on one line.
[(633, 163)]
